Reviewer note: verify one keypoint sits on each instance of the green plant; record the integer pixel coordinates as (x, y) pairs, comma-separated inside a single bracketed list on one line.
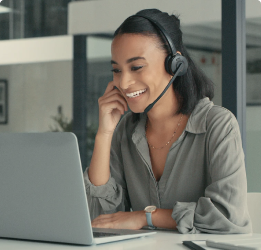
[(64, 124)]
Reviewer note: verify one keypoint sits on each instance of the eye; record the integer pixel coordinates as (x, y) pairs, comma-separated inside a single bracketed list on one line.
[(136, 68), (116, 71)]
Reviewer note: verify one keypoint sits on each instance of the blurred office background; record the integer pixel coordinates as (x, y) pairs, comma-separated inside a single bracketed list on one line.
[(36, 66)]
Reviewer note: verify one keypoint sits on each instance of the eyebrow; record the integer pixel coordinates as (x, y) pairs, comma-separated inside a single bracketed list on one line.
[(130, 60)]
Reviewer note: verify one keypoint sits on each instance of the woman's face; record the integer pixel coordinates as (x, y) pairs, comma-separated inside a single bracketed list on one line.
[(138, 69)]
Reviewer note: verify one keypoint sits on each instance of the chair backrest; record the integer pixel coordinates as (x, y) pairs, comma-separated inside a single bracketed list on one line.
[(254, 208)]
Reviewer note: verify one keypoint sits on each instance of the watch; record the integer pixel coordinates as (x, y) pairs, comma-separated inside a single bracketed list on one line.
[(149, 210)]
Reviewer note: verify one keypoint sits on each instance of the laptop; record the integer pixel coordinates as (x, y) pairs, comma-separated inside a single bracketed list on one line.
[(42, 192)]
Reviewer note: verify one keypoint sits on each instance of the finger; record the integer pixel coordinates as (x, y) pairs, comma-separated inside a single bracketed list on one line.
[(109, 107), (103, 222), (114, 97), (103, 225), (112, 92), (124, 99), (112, 216), (102, 216), (109, 88)]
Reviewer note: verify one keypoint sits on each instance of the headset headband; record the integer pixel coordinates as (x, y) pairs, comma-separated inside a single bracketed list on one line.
[(163, 31)]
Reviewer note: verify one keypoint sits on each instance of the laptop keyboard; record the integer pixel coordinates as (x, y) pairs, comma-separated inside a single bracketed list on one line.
[(101, 234)]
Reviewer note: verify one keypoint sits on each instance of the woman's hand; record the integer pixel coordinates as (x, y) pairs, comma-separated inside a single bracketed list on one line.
[(121, 220), (112, 106)]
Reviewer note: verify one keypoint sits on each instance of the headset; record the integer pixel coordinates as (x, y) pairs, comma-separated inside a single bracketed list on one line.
[(175, 64)]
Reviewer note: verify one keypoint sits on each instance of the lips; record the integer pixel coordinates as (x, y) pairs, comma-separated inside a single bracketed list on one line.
[(136, 93)]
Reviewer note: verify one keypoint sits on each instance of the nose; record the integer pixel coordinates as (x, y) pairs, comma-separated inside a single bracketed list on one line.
[(126, 80)]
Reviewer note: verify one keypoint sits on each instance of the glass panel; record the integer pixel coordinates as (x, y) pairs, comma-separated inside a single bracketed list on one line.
[(37, 18), (203, 41), (253, 95), (37, 72), (99, 75)]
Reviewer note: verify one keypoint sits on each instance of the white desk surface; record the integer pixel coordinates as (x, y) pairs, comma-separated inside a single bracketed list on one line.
[(161, 240)]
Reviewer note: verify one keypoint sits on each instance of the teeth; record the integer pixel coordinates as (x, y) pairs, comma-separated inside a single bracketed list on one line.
[(135, 94)]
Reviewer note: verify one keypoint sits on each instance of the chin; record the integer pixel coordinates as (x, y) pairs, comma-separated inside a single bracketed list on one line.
[(138, 106), (137, 110)]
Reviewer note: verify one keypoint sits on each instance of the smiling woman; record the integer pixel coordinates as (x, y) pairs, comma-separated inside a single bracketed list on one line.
[(138, 66), (181, 164)]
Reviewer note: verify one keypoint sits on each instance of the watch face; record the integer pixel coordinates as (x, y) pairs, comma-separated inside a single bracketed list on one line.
[(150, 209)]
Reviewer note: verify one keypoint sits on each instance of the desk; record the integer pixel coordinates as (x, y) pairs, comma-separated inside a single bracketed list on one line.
[(161, 240)]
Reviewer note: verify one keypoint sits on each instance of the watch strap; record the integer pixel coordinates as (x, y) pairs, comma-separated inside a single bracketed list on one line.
[(149, 220)]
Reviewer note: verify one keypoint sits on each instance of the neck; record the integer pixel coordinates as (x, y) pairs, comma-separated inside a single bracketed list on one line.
[(164, 112)]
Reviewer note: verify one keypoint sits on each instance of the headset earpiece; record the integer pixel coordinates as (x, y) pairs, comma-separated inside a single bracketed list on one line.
[(173, 62)]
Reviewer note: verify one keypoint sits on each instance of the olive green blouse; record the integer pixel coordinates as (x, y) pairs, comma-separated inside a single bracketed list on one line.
[(204, 179)]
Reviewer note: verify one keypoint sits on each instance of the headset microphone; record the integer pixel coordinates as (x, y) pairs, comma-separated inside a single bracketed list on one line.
[(163, 92)]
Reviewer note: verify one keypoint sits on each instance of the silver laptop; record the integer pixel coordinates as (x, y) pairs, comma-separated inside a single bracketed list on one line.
[(42, 192)]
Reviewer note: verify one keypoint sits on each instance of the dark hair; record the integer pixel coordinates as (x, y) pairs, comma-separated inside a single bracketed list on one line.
[(192, 86)]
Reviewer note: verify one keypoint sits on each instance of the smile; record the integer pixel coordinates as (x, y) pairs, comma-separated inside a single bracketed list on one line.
[(135, 94)]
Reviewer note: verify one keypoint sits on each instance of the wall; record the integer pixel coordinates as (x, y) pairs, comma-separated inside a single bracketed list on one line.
[(35, 91)]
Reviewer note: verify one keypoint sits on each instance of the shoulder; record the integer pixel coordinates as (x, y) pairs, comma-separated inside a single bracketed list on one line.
[(213, 120), (221, 120), (206, 116), (223, 133), (217, 112)]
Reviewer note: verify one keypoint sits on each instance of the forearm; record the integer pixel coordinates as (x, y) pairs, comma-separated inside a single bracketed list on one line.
[(162, 218), (99, 170), (135, 220)]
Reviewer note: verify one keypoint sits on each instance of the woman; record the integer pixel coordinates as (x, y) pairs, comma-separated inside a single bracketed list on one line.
[(184, 156)]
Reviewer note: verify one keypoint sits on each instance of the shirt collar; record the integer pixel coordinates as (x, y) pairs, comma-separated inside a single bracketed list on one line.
[(197, 122), (139, 131)]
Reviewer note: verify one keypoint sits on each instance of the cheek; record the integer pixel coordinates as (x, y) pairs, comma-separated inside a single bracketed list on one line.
[(115, 79), (156, 78)]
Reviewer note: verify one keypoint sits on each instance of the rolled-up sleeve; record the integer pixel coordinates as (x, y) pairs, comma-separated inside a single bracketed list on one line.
[(223, 209), (103, 199)]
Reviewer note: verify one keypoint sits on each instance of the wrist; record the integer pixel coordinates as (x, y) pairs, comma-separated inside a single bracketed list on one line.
[(142, 218), (104, 136), (149, 210), (162, 218)]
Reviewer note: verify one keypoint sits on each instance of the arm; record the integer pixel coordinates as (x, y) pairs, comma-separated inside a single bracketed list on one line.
[(223, 209), (104, 194), (135, 220), (111, 106), (99, 171)]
